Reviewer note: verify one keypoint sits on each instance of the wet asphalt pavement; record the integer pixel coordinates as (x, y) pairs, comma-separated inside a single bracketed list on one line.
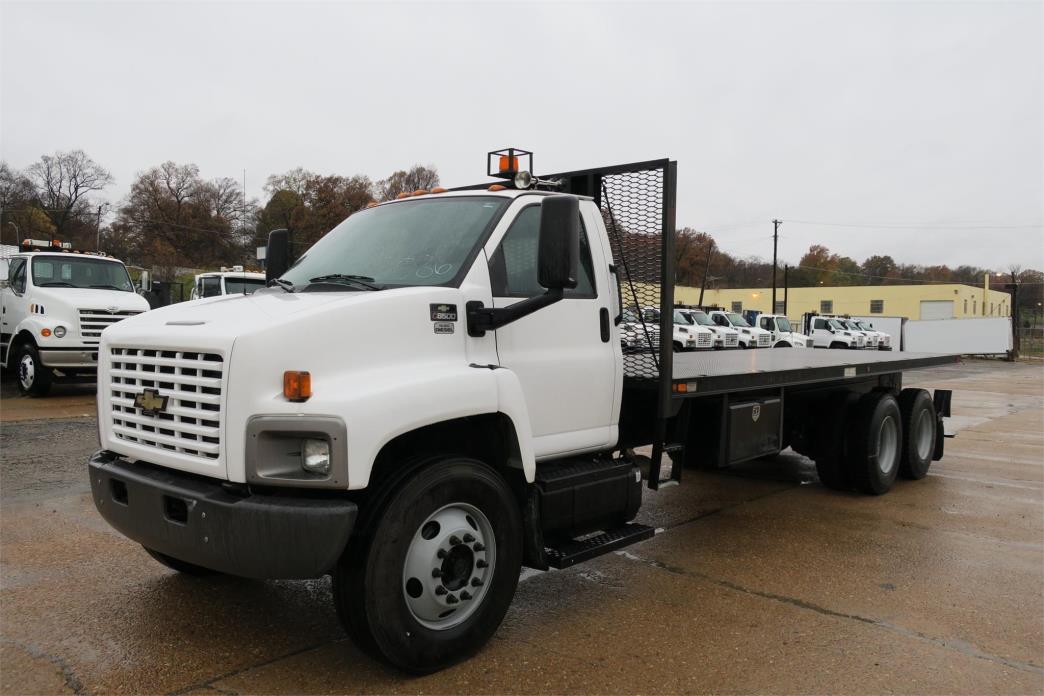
[(761, 580)]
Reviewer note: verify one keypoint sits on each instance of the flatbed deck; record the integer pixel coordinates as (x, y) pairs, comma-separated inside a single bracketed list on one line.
[(744, 370)]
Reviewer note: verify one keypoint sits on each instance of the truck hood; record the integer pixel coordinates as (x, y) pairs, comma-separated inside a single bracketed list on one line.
[(90, 298)]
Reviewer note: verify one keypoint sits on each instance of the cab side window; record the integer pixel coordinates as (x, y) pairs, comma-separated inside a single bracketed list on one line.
[(211, 287), (821, 324), (766, 324), (720, 320), (513, 267), (17, 276)]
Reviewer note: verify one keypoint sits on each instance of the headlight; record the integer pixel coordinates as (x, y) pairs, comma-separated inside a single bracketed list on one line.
[(59, 332), (315, 456)]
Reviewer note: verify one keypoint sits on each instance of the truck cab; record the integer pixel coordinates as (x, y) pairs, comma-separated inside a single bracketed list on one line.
[(227, 281), (55, 305), (827, 332), (782, 332), (725, 337), (749, 336), (870, 338)]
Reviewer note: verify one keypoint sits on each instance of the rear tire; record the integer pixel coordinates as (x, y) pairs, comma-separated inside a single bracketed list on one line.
[(400, 610), (919, 433), (874, 444), (838, 344), (34, 379), (829, 442), (180, 566)]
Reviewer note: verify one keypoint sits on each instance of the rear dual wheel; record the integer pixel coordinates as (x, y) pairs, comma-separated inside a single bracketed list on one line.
[(432, 573)]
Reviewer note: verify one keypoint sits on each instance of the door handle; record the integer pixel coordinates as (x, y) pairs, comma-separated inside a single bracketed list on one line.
[(603, 316), (619, 294)]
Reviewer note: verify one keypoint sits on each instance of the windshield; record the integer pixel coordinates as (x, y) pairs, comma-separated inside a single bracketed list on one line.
[(864, 326), (783, 324), (701, 318), (682, 318), (80, 272), (422, 242), (737, 320), (235, 286), (836, 324)]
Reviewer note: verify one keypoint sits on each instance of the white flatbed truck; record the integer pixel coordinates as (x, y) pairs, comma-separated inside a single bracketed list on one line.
[(482, 420)]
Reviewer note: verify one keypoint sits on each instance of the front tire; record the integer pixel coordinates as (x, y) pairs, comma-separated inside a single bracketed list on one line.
[(432, 577), (34, 379)]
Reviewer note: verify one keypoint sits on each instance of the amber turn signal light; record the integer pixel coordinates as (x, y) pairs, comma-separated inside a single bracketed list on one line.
[(297, 386)]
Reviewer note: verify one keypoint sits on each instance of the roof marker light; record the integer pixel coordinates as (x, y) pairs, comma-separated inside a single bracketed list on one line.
[(497, 187)]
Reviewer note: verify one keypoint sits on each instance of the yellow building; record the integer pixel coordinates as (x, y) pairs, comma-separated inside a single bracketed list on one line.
[(910, 301)]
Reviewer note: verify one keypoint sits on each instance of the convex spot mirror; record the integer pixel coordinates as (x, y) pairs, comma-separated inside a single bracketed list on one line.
[(558, 256)]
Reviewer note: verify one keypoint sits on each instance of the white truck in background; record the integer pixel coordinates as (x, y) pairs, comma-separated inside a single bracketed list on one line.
[(421, 438), (749, 336), (227, 281), (55, 304), (686, 335), (725, 337), (783, 333), (884, 340), (826, 332)]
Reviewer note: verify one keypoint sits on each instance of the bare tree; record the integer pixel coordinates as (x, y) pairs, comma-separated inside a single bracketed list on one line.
[(418, 177), (63, 181)]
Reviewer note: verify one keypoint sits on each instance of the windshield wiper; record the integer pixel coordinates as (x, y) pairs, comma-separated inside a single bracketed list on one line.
[(285, 284), (110, 287), (57, 284), (359, 280)]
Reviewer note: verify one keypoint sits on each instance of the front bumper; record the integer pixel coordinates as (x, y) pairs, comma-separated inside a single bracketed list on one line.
[(199, 521), (79, 358)]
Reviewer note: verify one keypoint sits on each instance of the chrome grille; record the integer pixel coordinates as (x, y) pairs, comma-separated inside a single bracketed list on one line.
[(94, 321), (731, 340), (703, 340), (764, 340), (192, 381)]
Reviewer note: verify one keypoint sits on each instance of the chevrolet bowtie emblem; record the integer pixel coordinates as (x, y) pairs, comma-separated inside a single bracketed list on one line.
[(150, 402)]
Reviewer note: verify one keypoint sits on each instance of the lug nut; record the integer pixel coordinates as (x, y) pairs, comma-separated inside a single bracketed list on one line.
[(451, 599), (465, 595), (481, 564), (440, 590), (454, 540), (441, 553), (479, 547), (468, 538), (436, 572), (475, 582)]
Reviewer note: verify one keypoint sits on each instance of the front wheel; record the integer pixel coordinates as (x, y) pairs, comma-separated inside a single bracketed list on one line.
[(34, 379), (432, 576)]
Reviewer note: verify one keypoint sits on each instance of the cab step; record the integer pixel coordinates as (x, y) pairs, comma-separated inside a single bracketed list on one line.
[(572, 551)]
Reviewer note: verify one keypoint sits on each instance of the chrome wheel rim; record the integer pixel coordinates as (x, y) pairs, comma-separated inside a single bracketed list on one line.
[(887, 445), (26, 371), (449, 566), (925, 435)]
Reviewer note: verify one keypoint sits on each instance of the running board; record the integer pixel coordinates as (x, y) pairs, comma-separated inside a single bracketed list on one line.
[(572, 551)]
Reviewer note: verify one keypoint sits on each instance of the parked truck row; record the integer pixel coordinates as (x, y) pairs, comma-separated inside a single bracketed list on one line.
[(422, 436)]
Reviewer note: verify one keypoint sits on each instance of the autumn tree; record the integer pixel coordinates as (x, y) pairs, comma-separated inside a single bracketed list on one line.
[(310, 205)]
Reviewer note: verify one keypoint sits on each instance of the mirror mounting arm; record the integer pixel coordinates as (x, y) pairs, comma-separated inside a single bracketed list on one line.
[(482, 319)]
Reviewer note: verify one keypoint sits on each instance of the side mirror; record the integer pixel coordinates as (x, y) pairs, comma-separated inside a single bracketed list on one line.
[(145, 281), (277, 254), (558, 252), (4, 283)]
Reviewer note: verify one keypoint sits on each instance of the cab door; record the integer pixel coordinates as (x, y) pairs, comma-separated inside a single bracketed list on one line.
[(564, 355), (12, 304)]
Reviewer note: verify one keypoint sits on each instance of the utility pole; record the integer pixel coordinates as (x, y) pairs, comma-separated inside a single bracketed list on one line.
[(706, 270), (775, 246), (786, 289), (97, 229)]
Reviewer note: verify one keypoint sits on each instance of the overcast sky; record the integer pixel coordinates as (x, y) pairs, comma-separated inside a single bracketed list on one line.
[(881, 116)]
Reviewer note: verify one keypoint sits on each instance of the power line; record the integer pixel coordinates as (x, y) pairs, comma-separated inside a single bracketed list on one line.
[(905, 280), (919, 226)]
